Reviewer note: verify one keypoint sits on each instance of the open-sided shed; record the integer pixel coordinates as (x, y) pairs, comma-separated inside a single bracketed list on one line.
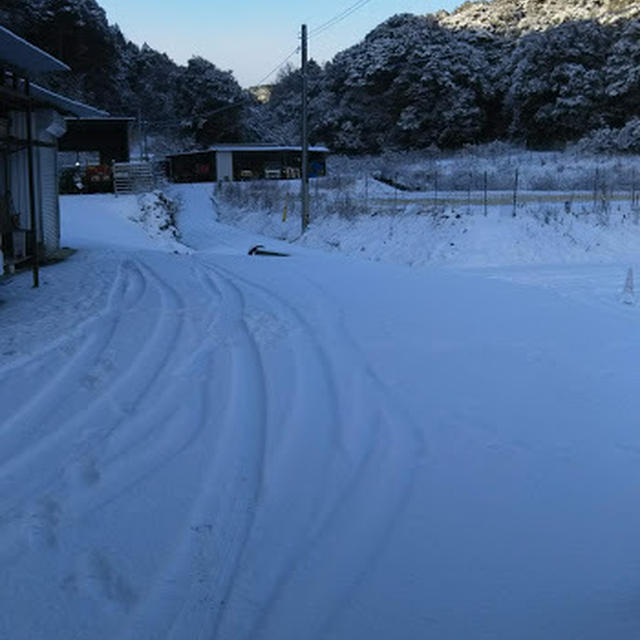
[(108, 136), (229, 162)]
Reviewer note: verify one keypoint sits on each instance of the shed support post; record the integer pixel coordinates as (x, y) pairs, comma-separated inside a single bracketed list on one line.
[(33, 218)]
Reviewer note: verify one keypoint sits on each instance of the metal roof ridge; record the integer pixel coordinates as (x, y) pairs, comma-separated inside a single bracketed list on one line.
[(42, 62), (249, 147), (69, 105)]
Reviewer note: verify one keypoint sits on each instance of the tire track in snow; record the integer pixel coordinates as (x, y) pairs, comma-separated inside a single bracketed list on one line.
[(380, 448), (120, 285), (201, 589), (123, 452), (86, 429), (405, 454), (191, 590), (30, 418), (147, 447)]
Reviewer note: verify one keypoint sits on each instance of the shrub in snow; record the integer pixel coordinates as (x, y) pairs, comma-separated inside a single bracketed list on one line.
[(264, 195), (629, 136), (608, 140), (157, 214)]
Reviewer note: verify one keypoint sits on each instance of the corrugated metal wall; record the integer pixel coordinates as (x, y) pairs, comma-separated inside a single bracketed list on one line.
[(224, 163), (18, 186), (49, 205), (45, 179)]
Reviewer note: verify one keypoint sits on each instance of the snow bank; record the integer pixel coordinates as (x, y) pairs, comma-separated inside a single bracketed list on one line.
[(569, 208), (156, 213), (457, 236), (125, 221)]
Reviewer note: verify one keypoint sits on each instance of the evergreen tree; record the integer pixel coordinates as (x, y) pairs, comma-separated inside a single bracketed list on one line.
[(211, 102)]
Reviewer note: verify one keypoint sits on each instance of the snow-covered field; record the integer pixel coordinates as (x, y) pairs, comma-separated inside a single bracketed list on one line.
[(196, 443)]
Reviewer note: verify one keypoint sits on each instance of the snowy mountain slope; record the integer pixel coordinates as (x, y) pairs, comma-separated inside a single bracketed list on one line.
[(544, 73), (522, 16), (235, 447)]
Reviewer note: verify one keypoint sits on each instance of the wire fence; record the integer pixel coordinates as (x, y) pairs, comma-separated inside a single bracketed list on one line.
[(517, 192)]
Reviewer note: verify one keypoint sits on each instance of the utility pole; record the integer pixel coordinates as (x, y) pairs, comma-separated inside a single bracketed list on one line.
[(305, 135), (144, 139), (140, 139)]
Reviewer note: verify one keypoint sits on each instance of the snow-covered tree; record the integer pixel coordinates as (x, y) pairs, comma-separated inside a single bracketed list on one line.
[(212, 102), (622, 74), (557, 83), (410, 83)]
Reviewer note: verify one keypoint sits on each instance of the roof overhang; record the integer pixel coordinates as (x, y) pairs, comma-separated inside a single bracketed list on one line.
[(252, 148), (108, 136), (65, 105), (107, 119), (264, 147), (23, 55)]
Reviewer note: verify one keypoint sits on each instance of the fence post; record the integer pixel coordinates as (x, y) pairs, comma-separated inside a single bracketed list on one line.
[(515, 192), (366, 193), (435, 188), (395, 195), (485, 194)]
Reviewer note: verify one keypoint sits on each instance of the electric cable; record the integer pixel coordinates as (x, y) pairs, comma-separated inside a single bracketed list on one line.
[(338, 18), (231, 105)]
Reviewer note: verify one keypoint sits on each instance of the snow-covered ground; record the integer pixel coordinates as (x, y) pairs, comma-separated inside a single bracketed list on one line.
[(197, 443), (408, 229)]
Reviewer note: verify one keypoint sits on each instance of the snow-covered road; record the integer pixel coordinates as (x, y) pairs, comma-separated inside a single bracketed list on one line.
[(212, 445)]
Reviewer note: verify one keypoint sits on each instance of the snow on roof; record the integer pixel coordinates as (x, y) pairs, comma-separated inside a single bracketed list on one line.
[(66, 105), (19, 53), (250, 147)]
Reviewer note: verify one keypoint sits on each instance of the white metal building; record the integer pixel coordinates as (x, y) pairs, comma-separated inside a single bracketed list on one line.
[(31, 121)]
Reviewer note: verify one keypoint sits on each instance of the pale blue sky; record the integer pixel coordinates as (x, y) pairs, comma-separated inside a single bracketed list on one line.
[(250, 37)]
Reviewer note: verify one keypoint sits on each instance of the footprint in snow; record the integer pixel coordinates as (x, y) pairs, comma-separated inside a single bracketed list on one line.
[(100, 578), (41, 524)]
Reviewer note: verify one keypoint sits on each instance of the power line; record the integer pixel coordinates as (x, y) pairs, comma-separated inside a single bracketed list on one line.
[(191, 116), (338, 17), (279, 66), (314, 32), (232, 105)]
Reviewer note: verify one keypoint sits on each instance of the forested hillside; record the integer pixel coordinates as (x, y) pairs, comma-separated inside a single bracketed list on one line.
[(108, 71), (521, 16), (540, 72)]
